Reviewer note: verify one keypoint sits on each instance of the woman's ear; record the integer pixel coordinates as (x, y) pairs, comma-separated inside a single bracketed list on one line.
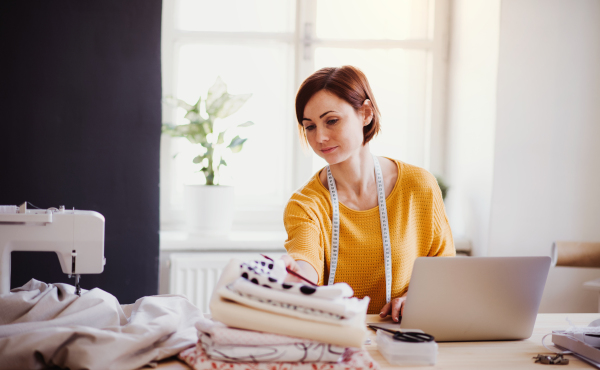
[(367, 110)]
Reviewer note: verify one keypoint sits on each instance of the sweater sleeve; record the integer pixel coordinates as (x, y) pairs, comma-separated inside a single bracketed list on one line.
[(304, 236), (442, 243)]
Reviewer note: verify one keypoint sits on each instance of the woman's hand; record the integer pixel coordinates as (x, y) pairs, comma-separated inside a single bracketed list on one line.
[(395, 308), (300, 267)]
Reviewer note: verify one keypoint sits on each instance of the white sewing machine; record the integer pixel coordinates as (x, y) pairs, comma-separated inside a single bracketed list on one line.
[(76, 236)]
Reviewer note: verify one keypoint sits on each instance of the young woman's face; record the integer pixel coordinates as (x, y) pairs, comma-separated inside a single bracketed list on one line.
[(334, 129)]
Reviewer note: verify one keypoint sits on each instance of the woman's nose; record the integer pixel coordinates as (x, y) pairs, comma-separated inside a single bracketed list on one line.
[(321, 136)]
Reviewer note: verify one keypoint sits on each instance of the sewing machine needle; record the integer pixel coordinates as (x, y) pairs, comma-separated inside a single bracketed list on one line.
[(77, 287)]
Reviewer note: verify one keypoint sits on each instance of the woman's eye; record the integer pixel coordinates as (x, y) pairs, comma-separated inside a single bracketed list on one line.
[(332, 121), (309, 128)]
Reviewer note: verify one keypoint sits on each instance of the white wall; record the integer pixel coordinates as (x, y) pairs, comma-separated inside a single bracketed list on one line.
[(546, 183), (538, 179), (547, 152), (473, 63)]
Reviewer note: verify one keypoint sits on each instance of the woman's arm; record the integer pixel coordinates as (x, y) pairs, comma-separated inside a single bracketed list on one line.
[(304, 248), (300, 267)]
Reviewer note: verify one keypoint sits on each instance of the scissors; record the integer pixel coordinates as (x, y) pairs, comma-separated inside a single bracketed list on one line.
[(411, 337)]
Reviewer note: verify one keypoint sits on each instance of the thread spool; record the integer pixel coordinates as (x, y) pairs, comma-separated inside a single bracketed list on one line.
[(575, 254)]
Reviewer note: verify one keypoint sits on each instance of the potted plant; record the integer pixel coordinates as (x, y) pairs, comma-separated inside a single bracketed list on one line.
[(209, 207)]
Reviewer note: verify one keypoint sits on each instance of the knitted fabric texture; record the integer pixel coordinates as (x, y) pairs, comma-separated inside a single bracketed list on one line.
[(417, 222)]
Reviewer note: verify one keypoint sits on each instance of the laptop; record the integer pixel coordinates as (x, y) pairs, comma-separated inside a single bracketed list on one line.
[(475, 298)]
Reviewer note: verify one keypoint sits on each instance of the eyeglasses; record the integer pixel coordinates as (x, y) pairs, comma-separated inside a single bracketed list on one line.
[(410, 337)]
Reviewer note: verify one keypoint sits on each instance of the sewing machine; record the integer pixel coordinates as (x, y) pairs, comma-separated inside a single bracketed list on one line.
[(76, 236)]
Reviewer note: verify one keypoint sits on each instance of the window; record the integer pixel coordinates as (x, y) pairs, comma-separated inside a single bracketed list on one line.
[(266, 48)]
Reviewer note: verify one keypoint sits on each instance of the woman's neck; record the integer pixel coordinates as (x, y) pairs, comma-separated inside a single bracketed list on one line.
[(357, 173)]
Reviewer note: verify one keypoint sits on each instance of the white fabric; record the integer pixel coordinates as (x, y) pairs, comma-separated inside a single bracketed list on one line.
[(46, 325), (266, 268), (284, 308), (345, 307), (297, 352), (316, 316), (268, 274), (222, 334)]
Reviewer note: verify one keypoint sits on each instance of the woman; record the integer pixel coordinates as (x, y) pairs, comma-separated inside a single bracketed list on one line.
[(338, 116)]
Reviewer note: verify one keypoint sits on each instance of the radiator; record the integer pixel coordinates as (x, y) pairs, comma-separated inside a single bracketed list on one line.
[(194, 275)]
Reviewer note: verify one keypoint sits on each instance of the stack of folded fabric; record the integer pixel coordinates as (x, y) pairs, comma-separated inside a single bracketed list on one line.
[(291, 323), (228, 344)]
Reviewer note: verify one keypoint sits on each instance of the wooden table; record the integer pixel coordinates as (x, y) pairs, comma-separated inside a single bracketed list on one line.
[(480, 355)]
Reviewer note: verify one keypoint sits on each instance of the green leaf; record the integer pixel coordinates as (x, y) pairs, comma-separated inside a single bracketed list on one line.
[(235, 141), (207, 126), (177, 130), (232, 104), (246, 124), (236, 144), (194, 116), (166, 128), (184, 105), (195, 133), (199, 159), (443, 186), (222, 163), (215, 92), (216, 106), (221, 138)]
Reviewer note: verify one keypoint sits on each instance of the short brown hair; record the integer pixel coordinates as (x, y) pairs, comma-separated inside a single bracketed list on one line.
[(346, 82)]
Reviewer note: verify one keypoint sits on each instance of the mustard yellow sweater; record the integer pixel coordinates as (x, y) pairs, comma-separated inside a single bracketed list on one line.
[(418, 227)]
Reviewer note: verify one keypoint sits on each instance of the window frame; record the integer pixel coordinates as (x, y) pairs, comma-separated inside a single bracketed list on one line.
[(299, 159)]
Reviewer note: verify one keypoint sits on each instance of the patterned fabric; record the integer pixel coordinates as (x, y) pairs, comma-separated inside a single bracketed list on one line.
[(288, 306), (223, 335), (266, 271), (268, 274), (285, 309), (343, 307), (296, 352), (417, 222), (355, 359)]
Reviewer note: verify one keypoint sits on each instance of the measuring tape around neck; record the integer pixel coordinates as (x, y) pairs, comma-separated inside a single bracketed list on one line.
[(385, 231)]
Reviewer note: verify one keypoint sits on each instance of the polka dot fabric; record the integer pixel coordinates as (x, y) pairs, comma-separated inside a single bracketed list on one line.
[(269, 274), (266, 273), (418, 227)]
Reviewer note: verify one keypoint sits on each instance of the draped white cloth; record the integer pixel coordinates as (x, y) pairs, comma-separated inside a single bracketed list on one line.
[(44, 325)]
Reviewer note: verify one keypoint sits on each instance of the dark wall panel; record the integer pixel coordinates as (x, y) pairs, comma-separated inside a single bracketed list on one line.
[(80, 123)]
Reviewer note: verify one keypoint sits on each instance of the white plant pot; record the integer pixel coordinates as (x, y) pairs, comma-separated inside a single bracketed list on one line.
[(209, 209)]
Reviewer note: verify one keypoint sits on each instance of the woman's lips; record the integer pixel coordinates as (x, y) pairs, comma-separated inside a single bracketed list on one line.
[(328, 150)]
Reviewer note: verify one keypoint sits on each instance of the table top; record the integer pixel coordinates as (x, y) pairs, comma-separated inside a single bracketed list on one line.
[(479, 355)]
